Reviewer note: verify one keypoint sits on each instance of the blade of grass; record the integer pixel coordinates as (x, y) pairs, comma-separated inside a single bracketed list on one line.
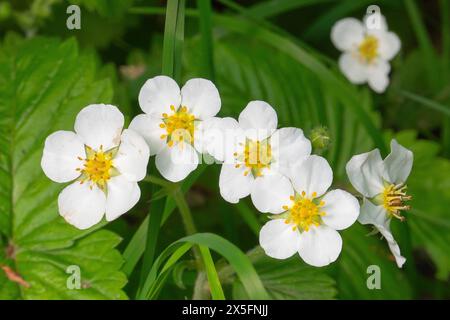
[(211, 273), (154, 221), (168, 56), (237, 259), (179, 39), (443, 109), (205, 12)]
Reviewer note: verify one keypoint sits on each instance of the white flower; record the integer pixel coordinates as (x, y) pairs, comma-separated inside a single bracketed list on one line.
[(308, 215), (105, 163), (254, 151), (366, 51), (382, 183), (172, 121)]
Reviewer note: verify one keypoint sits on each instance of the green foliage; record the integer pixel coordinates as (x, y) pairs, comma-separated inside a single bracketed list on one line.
[(43, 85), (289, 279), (429, 185)]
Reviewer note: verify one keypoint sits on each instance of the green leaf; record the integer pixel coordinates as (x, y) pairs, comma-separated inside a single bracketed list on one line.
[(43, 85), (211, 272), (289, 279), (359, 251)]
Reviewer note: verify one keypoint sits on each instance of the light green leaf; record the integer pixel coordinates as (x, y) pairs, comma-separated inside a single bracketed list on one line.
[(43, 85)]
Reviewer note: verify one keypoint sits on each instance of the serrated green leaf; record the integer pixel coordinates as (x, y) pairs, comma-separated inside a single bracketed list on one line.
[(43, 85)]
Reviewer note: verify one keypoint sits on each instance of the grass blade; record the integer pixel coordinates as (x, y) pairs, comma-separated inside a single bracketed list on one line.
[(237, 259), (445, 110), (205, 12), (170, 28), (211, 273)]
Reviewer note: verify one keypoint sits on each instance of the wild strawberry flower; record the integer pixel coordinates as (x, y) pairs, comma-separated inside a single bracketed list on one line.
[(367, 51), (253, 150), (104, 162), (382, 183), (306, 215), (172, 120)]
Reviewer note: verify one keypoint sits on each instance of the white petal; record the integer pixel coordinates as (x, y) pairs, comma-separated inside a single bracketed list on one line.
[(398, 163), (278, 239), (219, 137), (320, 246), (176, 162), (377, 216), (365, 173), (378, 78), (355, 71), (389, 45), (158, 94), (82, 206), (312, 175), (372, 214), (201, 97), (132, 157), (100, 125), (121, 197), (60, 157), (347, 33), (393, 245), (148, 127), (233, 184), (271, 192), (288, 146), (258, 120), (341, 209)]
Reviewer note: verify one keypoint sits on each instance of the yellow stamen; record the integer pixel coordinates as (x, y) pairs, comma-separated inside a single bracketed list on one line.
[(257, 155), (98, 167), (304, 212), (394, 198), (368, 49), (179, 126)]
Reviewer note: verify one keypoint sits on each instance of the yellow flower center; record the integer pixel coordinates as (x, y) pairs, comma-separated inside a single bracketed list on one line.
[(305, 212), (98, 167), (180, 126), (368, 49), (257, 156), (394, 198)]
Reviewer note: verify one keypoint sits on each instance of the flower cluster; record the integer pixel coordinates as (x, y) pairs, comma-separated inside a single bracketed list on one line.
[(272, 165)]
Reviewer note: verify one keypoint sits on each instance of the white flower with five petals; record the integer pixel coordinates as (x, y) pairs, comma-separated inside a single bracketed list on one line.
[(104, 161), (366, 51), (253, 150), (172, 121), (382, 183), (307, 216)]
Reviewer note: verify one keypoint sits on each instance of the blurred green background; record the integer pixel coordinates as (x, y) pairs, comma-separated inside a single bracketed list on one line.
[(273, 50)]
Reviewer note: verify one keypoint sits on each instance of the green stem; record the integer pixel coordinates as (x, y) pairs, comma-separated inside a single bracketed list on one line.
[(190, 228)]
